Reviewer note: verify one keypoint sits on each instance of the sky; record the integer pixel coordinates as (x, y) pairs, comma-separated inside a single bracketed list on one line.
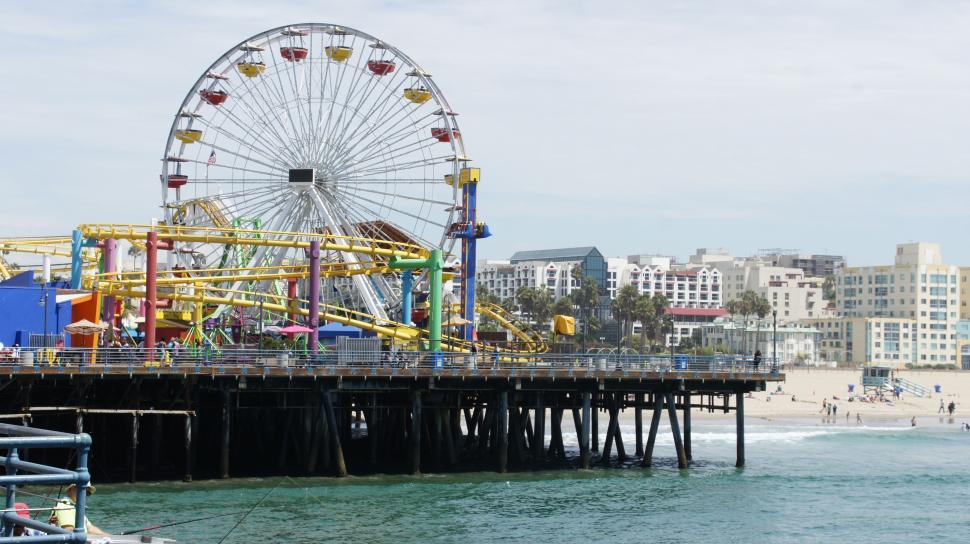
[(835, 126)]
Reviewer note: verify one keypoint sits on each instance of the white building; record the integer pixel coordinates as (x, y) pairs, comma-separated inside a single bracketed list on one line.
[(684, 288), (794, 343), (883, 341), (919, 286)]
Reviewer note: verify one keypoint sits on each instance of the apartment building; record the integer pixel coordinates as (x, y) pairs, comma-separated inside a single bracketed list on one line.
[(812, 265), (684, 288), (852, 341), (919, 287), (789, 292)]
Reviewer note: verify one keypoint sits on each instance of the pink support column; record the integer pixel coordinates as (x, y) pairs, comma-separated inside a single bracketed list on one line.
[(314, 310), (151, 302)]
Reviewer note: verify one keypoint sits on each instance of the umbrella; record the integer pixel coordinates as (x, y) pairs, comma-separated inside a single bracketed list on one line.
[(293, 329), (84, 327)]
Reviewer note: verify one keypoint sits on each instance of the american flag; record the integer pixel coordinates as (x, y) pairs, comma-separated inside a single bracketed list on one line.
[(212, 157)]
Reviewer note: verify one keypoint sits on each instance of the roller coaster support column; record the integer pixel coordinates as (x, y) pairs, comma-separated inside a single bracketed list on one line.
[(109, 253), (151, 273), (314, 296), (470, 231), (434, 264), (291, 303), (407, 285)]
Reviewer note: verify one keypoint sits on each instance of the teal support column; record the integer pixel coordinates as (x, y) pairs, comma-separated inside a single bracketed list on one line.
[(77, 243), (407, 284)]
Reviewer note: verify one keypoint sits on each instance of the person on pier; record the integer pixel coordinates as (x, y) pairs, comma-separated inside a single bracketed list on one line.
[(64, 513)]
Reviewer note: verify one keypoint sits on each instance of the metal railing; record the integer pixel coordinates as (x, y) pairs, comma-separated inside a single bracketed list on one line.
[(201, 357), (15, 438)]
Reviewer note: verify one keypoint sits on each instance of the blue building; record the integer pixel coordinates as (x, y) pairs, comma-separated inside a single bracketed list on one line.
[(28, 308)]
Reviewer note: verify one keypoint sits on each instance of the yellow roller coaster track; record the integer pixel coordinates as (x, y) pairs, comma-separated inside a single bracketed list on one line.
[(532, 339)]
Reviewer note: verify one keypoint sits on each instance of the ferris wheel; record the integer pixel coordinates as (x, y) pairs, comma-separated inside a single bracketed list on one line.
[(314, 128)]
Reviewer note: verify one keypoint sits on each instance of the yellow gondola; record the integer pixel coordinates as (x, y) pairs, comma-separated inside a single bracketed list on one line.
[(188, 136), (417, 96), (338, 53), (251, 69)]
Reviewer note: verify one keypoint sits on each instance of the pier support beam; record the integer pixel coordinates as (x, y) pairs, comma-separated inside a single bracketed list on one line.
[(189, 423), (739, 415), (658, 406), (584, 453), (414, 437), (133, 455), (687, 452), (638, 418), (336, 447), (502, 432), (675, 430), (539, 432), (595, 421), (226, 421)]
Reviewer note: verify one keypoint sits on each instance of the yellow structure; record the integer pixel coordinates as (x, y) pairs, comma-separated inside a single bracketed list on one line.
[(564, 325)]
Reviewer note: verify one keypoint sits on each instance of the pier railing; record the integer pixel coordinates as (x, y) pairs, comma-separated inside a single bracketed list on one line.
[(196, 358), (13, 440)]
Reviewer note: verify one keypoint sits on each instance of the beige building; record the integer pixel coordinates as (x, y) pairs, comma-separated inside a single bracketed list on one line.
[(789, 292), (918, 287), (793, 343), (884, 341)]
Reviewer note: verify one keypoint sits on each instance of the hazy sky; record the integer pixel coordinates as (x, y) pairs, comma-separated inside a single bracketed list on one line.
[(641, 126)]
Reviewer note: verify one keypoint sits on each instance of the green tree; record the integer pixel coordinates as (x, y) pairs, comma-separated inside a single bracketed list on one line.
[(747, 304), (623, 307), (537, 304), (646, 313), (586, 297), (563, 306), (828, 288)]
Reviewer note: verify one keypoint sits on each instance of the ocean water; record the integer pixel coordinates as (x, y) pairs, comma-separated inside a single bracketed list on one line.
[(805, 481)]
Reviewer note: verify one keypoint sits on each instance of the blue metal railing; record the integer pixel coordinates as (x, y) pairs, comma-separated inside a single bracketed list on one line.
[(14, 439)]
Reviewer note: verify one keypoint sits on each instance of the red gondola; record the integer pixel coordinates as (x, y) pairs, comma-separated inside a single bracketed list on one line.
[(293, 53), (177, 180), (442, 134), (214, 97), (380, 67)]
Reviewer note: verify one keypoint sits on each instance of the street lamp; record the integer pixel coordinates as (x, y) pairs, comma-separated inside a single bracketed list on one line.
[(43, 304), (774, 338)]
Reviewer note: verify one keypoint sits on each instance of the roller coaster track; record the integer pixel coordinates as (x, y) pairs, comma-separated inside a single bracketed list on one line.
[(532, 339)]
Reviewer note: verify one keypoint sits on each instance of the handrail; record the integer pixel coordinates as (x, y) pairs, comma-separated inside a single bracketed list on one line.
[(15, 438)]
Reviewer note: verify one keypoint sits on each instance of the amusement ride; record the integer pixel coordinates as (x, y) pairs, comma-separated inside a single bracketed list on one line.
[(313, 173)]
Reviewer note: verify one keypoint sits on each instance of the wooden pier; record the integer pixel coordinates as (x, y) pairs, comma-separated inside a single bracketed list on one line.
[(220, 421)]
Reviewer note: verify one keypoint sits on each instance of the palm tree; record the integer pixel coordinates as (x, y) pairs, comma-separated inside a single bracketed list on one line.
[(563, 306), (586, 298), (623, 308), (646, 313), (748, 304)]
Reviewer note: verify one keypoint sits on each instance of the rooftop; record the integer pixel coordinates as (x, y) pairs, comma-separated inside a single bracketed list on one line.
[(567, 253)]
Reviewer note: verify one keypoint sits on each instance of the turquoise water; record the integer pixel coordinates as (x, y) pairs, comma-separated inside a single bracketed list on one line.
[(805, 482)]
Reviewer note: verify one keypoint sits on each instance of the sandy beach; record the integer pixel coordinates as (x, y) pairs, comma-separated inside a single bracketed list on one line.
[(803, 390)]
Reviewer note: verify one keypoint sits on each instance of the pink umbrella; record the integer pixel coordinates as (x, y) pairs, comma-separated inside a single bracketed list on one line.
[(295, 329)]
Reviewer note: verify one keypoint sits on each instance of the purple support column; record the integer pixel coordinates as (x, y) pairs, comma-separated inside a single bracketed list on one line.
[(110, 253), (151, 302), (313, 321)]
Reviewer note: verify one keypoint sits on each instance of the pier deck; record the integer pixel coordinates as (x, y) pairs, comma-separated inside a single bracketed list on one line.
[(225, 415)]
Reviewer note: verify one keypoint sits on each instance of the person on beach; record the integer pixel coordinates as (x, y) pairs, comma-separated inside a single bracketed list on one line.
[(824, 404), (757, 359), (858, 418), (942, 407), (951, 408), (835, 409), (912, 422)]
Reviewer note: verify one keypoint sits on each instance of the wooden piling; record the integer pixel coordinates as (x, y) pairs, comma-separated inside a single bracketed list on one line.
[(226, 422), (133, 454), (584, 453), (675, 431), (638, 419), (595, 421), (739, 419), (502, 431), (539, 433), (189, 424), (658, 406), (687, 401), (414, 437), (336, 449)]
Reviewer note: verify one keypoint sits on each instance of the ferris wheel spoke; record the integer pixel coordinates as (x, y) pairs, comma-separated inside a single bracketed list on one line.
[(256, 121), (391, 208), (302, 129), (399, 195), (380, 151), (398, 120), (379, 110), (249, 130), (373, 168), (246, 157), (257, 90), (244, 97), (355, 76), (227, 167), (372, 85), (261, 152)]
